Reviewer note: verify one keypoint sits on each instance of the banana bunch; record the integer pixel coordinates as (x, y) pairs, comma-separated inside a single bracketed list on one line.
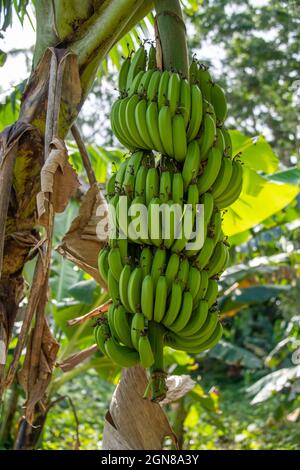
[(157, 110), (164, 283)]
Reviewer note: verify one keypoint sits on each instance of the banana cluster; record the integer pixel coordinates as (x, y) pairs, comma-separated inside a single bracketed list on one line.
[(163, 292)]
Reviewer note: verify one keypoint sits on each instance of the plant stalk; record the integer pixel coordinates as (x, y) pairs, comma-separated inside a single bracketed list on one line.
[(172, 36)]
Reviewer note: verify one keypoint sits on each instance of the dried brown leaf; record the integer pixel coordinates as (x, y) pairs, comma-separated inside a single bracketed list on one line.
[(75, 359), (178, 386), (81, 244), (57, 178), (35, 382), (133, 422)]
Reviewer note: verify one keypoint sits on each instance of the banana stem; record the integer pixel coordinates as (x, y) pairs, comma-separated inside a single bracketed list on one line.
[(172, 36), (157, 383)]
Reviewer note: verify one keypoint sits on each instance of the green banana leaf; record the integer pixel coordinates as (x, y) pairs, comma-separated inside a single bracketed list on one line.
[(290, 176), (234, 355), (261, 196), (259, 199), (251, 295)]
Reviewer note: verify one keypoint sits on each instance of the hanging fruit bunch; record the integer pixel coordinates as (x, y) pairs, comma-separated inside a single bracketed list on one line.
[(164, 294)]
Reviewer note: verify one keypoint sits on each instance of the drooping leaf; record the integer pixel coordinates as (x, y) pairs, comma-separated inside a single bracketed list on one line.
[(290, 176), (254, 152), (234, 355), (272, 383), (259, 199), (251, 295)]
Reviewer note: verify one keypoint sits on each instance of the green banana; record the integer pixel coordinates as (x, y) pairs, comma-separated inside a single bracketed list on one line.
[(197, 319), (211, 293), (165, 188), (179, 137), (131, 172), (177, 188), (230, 199), (228, 143), (158, 265), (174, 304), (130, 121), (138, 63), (208, 202), (163, 89), (233, 189), (165, 130), (205, 82), (153, 128), (123, 286), (137, 328), (121, 355), (152, 89), (205, 253), (215, 228), (147, 297), (152, 58), (218, 259), (102, 334), (144, 83), (196, 113), (185, 102), (115, 262), (183, 272), (155, 225), (123, 74), (160, 299), (211, 170), (145, 352), (123, 326), (103, 265), (140, 182), (172, 268), (116, 126), (212, 341), (220, 141), (223, 178), (123, 124), (110, 186), (193, 72), (195, 342), (134, 289), (135, 83), (120, 174), (184, 314), (146, 259), (191, 164), (173, 92), (207, 134), (218, 100), (194, 281), (113, 287), (152, 185), (141, 122), (111, 320)]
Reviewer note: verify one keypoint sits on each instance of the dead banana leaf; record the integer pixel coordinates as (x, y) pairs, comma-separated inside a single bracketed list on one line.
[(75, 359), (57, 178), (36, 372), (132, 422), (81, 244), (178, 387)]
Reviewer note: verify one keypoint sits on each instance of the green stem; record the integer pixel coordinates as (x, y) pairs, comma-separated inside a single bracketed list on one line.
[(172, 35), (158, 376)]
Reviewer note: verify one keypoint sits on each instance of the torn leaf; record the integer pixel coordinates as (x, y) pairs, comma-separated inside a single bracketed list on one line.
[(58, 178)]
